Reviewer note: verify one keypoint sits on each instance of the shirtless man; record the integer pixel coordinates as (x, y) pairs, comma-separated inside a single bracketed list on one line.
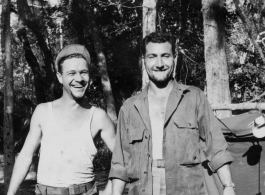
[(64, 129), (157, 148)]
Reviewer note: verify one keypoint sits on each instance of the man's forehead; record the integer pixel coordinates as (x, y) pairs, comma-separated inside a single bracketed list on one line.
[(73, 63), (158, 47)]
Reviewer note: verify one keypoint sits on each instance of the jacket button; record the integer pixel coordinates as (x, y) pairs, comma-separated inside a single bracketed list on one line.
[(143, 190), (148, 154), (145, 172)]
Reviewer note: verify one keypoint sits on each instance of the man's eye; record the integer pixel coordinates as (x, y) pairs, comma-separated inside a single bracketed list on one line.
[(71, 73), (84, 73)]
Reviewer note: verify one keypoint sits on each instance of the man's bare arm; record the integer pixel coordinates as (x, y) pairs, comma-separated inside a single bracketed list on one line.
[(226, 179), (117, 186), (103, 123), (24, 158)]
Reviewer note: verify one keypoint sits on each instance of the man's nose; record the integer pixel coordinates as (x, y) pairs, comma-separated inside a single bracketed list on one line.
[(79, 77), (159, 62)]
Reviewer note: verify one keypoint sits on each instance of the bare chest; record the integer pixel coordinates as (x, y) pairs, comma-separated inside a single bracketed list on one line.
[(157, 110)]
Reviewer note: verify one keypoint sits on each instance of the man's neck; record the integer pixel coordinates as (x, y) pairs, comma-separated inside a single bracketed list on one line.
[(160, 90), (72, 104)]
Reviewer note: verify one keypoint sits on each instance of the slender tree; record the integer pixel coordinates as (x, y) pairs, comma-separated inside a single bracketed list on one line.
[(149, 26), (102, 64), (8, 92), (215, 57)]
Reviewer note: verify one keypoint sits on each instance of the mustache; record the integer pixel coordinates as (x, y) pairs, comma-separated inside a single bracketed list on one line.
[(82, 83)]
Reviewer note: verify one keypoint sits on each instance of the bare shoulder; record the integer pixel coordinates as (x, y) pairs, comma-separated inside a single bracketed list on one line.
[(40, 113), (100, 114), (41, 109), (101, 120)]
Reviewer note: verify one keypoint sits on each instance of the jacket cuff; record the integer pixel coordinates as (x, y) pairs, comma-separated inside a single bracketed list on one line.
[(119, 173), (220, 159)]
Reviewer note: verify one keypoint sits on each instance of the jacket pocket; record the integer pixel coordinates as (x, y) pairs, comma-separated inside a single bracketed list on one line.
[(186, 141), (136, 133), (187, 123), (190, 180)]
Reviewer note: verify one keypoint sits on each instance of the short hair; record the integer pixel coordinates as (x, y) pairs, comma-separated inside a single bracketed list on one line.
[(158, 37), (74, 55)]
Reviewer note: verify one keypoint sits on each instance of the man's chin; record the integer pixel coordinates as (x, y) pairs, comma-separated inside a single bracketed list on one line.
[(78, 96), (161, 81)]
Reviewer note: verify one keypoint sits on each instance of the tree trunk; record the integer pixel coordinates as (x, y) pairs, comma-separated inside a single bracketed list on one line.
[(9, 158), (30, 19), (217, 78), (34, 65), (182, 9), (103, 70), (149, 26)]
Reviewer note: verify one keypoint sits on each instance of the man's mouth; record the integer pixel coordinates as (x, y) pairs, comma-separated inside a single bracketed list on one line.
[(160, 70), (78, 87)]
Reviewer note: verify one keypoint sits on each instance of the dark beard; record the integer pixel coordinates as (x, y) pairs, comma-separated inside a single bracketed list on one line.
[(162, 84)]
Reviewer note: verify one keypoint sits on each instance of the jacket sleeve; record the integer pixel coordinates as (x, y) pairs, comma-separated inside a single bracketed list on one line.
[(211, 133), (121, 152)]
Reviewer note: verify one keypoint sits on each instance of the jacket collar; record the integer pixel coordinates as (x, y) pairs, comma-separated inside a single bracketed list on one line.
[(174, 98), (142, 106)]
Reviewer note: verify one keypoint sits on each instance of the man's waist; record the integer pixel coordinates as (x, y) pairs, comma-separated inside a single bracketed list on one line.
[(75, 189)]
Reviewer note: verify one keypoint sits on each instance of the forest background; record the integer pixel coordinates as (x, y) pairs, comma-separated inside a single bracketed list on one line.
[(112, 31)]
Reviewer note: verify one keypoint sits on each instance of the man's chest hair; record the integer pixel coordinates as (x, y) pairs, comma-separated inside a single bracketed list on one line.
[(157, 108)]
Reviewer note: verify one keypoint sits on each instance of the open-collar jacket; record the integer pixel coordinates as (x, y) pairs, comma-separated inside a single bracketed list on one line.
[(188, 120)]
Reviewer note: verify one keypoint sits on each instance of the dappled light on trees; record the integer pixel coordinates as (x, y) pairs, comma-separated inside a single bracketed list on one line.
[(246, 66), (248, 29)]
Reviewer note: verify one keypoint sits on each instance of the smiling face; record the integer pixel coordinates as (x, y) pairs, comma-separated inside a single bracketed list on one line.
[(74, 77), (159, 62)]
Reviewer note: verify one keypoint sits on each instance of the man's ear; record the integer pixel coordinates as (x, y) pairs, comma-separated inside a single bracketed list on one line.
[(59, 77), (143, 61)]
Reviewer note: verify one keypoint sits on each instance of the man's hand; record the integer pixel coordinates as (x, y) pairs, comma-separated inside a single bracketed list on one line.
[(229, 191), (107, 190)]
